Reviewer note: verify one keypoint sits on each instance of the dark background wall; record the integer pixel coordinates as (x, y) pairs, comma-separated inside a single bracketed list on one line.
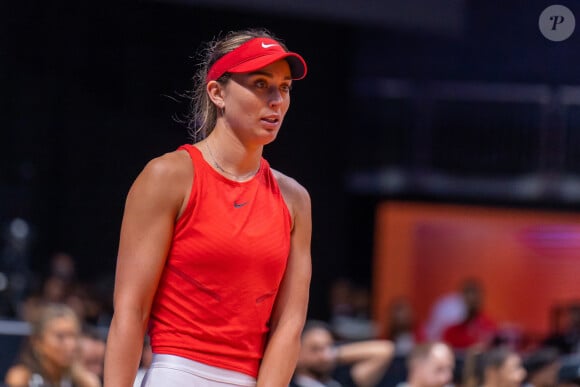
[(89, 92)]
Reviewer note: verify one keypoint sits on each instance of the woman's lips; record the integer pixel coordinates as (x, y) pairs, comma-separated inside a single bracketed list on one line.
[(272, 121)]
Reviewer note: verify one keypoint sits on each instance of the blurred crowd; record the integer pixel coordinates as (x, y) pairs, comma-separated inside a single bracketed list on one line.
[(66, 320), (459, 344)]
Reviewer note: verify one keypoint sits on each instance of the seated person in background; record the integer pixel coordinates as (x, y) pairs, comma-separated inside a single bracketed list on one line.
[(92, 351), (568, 341), (476, 328), (542, 367), (401, 328), (430, 365), (569, 373), (321, 363), (51, 357), (501, 367), (448, 309), (350, 307)]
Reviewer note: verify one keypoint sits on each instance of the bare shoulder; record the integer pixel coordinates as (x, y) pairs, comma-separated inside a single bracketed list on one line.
[(165, 181), (171, 165), (171, 172), (295, 195), (17, 376)]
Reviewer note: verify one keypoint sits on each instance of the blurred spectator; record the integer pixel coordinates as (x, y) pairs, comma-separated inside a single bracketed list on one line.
[(82, 299), (58, 282), (569, 373), (476, 328), (50, 359), (447, 310), (350, 311), (60, 285), (103, 296), (63, 266), (401, 329), (502, 367), (92, 351), (430, 365), (53, 290), (56, 290), (542, 368), (322, 363), (340, 298), (568, 341)]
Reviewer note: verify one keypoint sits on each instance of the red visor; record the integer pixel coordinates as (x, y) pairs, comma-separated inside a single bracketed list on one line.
[(255, 54)]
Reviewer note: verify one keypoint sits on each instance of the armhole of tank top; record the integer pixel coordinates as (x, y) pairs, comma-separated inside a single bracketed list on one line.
[(282, 197), (189, 205), (287, 211)]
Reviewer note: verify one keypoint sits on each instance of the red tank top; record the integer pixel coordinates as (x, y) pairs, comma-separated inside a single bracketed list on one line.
[(227, 259)]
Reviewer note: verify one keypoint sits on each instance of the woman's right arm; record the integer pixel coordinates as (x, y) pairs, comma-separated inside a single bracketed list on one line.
[(154, 202)]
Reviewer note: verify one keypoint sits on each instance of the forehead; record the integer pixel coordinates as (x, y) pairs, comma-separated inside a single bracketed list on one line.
[(512, 361), (61, 323), (317, 336), (440, 354)]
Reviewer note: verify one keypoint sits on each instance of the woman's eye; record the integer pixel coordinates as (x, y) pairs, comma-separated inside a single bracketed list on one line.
[(261, 84), (286, 88)]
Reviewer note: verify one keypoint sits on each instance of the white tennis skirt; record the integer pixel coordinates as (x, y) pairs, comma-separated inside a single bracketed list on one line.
[(176, 371)]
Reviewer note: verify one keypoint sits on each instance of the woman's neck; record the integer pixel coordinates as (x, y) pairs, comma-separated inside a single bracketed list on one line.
[(52, 372), (231, 157)]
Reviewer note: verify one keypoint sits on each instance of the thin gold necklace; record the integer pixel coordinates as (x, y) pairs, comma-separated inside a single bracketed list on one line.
[(221, 169)]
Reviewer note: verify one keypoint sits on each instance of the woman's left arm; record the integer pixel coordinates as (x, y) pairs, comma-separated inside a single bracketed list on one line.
[(290, 308)]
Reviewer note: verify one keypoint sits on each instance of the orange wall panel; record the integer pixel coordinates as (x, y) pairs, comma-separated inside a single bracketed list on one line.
[(527, 261)]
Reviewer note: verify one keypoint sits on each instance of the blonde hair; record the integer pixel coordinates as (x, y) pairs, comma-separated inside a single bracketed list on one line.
[(48, 313)]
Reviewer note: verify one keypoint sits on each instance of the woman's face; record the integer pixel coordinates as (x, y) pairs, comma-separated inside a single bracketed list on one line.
[(256, 102), (58, 343), (512, 373), (316, 353)]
